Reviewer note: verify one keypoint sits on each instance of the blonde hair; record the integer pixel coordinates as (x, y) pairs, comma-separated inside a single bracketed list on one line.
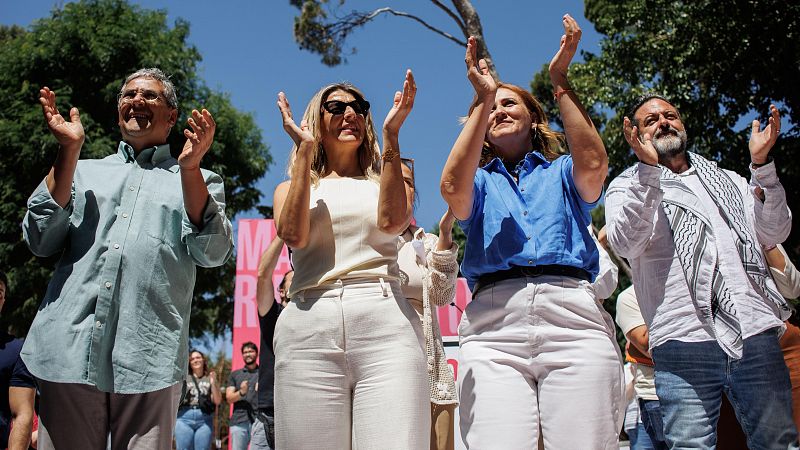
[(543, 138), (369, 153)]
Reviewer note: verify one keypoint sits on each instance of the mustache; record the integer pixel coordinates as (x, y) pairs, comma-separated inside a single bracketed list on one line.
[(670, 130)]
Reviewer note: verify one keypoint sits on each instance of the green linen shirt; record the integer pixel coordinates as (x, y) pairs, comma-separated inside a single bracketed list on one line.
[(116, 312)]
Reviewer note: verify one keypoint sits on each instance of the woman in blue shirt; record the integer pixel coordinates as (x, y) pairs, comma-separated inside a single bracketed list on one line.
[(537, 350)]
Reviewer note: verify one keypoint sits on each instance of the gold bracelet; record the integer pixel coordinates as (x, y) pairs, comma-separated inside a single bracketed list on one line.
[(390, 154)]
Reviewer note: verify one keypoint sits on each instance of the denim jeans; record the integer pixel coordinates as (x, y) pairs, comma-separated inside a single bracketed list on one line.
[(639, 438), (692, 376), (240, 436), (652, 423), (193, 430)]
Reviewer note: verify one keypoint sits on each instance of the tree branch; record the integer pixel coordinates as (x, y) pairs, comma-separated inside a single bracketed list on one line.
[(445, 34), (453, 16)]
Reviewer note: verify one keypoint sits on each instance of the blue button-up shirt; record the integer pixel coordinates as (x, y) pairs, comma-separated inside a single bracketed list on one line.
[(541, 220), (116, 312)]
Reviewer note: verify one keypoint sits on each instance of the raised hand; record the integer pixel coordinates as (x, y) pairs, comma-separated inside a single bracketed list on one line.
[(642, 147), (212, 377), (566, 51), (401, 106), (198, 141), (478, 71), (70, 135), (297, 133), (244, 387), (762, 141)]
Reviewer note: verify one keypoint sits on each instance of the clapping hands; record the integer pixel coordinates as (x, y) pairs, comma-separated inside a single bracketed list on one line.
[(762, 141), (298, 134), (198, 140), (401, 106), (70, 135)]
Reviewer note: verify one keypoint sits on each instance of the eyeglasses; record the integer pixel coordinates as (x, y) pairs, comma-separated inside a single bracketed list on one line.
[(339, 107), (149, 96)]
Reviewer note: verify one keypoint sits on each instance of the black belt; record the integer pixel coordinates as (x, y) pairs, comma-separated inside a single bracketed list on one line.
[(532, 271)]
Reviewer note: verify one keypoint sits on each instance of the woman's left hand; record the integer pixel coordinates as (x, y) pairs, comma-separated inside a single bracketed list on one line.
[(569, 46), (212, 377), (403, 102)]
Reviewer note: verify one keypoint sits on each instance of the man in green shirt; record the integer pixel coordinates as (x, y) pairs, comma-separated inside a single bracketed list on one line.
[(109, 343)]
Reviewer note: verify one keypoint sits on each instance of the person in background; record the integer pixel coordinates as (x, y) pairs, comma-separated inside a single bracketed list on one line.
[(242, 394), (195, 424), (651, 425), (262, 433), (428, 270), (17, 387)]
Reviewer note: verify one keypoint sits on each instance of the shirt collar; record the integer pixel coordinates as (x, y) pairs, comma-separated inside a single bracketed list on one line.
[(534, 157), (154, 155)]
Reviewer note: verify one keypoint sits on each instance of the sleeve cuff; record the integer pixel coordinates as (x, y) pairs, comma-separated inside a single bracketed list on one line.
[(649, 175), (42, 206), (765, 175)]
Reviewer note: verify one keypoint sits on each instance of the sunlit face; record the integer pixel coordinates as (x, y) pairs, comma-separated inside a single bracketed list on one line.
[(509, 122), (196, 361), (663, 123), (342, 131), (145, 119)]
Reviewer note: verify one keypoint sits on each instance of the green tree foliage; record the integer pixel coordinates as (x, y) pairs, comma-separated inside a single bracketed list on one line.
[(722, 63), (83, 52)]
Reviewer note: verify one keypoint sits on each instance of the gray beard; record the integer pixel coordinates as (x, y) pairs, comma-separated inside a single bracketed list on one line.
[(669, 146)]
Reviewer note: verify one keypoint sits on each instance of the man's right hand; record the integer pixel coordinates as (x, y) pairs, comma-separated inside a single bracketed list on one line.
[(642, 147), (243, 388), (70, 135)]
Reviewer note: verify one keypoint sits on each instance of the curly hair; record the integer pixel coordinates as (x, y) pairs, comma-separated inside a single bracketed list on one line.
[(369, 154), (543, 138)]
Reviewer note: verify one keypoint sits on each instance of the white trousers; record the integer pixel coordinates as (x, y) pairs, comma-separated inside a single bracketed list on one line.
[(539, 352), (350, 370)]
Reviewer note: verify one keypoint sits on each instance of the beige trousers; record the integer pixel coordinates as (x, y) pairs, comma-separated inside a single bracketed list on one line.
[(350, 370)]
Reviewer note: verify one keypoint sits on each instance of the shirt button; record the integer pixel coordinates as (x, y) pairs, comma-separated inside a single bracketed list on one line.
[(524, 213), (108, 285), (98, 324), (530, 262), (124, 215), (116, 246), (528, 238), (130, 188), (522, 189)]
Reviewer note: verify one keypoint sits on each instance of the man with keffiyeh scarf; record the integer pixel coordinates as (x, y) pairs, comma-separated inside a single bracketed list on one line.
[(694, 235)]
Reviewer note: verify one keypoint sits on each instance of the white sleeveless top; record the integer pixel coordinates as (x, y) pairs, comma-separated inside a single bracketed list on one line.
[(344, 239)]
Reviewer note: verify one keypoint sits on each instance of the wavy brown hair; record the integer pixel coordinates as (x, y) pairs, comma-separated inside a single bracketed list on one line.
[(205, 362), (369, 153), (543, 138)]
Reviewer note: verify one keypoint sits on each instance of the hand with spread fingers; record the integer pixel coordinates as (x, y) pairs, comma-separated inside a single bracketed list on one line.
[(299, 134), (566, 51), (642, 146), (478, 71), (70, 135), (401, 106), (762, 141), (198, 140)]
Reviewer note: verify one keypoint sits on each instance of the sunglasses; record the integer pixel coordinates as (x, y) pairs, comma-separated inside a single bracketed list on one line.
[(336, 107)]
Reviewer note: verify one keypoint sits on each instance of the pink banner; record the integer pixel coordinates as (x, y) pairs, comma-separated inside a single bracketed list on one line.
[(254, 236)]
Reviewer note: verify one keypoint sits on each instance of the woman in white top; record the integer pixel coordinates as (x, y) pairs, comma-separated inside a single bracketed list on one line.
[(350, 364)]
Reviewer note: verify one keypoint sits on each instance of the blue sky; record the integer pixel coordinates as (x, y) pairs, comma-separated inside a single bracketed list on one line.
[(249, 52)]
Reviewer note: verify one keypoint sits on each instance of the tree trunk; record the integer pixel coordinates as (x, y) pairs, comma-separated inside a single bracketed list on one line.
[(473, 28)]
